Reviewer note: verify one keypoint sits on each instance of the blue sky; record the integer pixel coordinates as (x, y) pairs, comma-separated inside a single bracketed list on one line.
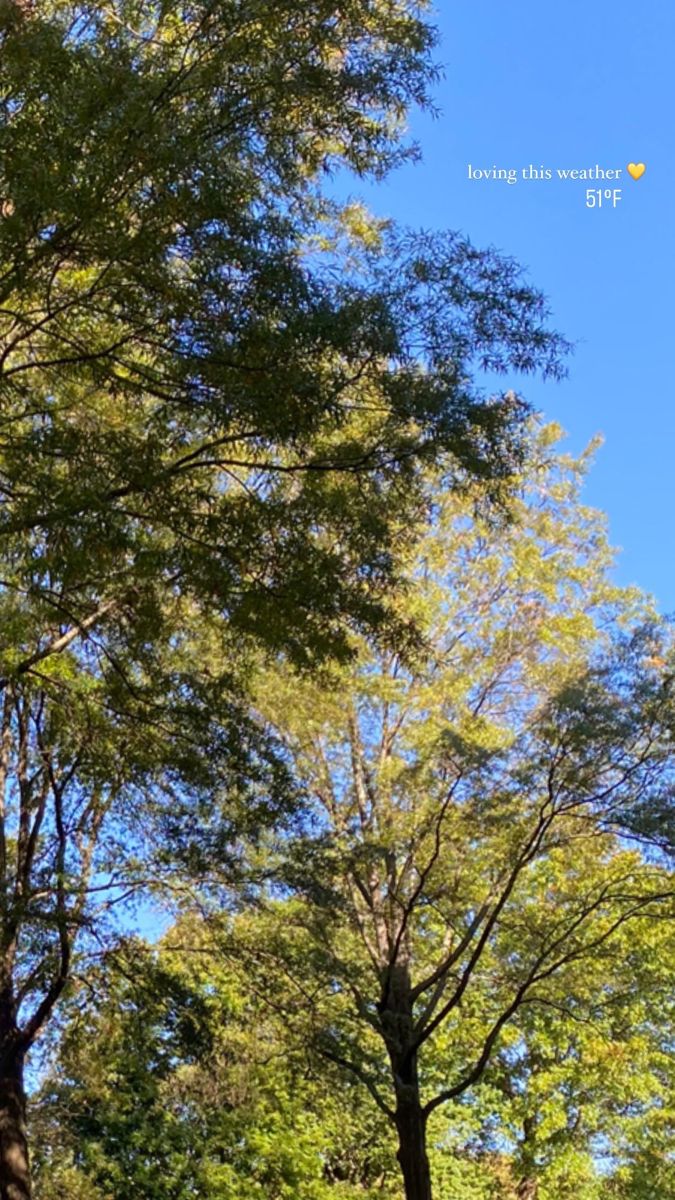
[(570, 86)]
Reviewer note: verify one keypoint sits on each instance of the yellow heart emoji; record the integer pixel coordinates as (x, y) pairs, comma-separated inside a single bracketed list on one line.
[(636, 169)]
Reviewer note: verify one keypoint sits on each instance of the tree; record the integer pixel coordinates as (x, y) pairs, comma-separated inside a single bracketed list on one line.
[(457, 863), (83, 749), (218, 395), (193, 395), (180, 1083), (578, 1080), (181, 1079)]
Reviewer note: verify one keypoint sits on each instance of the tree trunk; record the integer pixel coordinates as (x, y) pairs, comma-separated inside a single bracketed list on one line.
[(528, 1187), (396, 1013), (412, 1151), (15, 1180)]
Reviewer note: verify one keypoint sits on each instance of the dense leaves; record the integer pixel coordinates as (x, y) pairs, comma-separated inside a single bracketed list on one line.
[(456, 889), (218, 396), (195, 395), (459, 862), (192, 1089), (185, 1080), (245, 434)]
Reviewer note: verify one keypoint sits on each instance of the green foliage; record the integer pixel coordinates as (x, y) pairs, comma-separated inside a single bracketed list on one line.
[(458, 871), (181, 1078), (104, 755), (218, 398), (580, 1080), (181, 1084), (471, 795), (228, 406), (195, 396)]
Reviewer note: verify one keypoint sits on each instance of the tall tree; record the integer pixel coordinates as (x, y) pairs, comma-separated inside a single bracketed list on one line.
[(82, 750), (458, 859), (193, 393), (218, 394), (182, 1079)]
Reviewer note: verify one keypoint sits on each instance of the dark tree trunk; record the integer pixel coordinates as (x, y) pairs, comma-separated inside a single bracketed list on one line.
[(528, 1187), (396, 1012), (15, 1180), (412, 1151)]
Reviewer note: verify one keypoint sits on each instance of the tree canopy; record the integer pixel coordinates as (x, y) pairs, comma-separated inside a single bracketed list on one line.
[(462, 858), (201, 388), (308, 639), (219, 391), (182, 1079)]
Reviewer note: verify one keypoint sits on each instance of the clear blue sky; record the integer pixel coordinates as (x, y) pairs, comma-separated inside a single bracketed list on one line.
[(572, 85)]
